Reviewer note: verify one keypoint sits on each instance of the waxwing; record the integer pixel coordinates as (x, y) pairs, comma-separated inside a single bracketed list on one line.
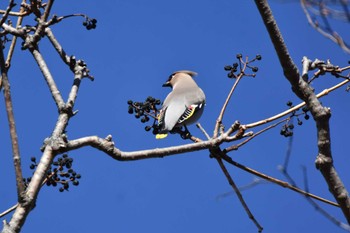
[(184, 105)]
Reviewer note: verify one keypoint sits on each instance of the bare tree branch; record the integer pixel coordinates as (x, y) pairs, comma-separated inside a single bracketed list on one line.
[(321, 115), (275, 181), (32, 40), (12, 126), (328, 32), (290, 70), (7, 12), (321, 210), (238, 193), (48, 78), (296, 107), (14, 38), (221, 115)]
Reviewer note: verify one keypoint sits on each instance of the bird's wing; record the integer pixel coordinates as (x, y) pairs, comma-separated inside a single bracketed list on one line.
[(189, 112), (173, 113)]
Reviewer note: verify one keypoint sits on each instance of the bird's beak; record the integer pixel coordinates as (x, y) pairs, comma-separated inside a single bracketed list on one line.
[(167, 84)]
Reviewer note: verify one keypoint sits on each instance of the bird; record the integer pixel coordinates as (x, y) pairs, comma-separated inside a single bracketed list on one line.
[(183, 106)]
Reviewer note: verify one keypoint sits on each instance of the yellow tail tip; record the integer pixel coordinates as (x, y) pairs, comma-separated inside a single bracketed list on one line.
[(161, 135)]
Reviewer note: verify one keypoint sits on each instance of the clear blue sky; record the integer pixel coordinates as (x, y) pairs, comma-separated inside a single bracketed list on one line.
[(135, 47)]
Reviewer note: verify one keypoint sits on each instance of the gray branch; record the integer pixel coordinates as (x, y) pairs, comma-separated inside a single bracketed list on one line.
[(321, 114)]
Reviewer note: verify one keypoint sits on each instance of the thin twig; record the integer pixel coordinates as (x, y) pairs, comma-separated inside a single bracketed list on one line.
[(282, 114), (221, 115), (14, 38), (235, 147), (256, 181), (9, 210), (238, 193), (284, 167), (317, 207), (199, 126), (320, 209), (334, 36), (65, 58), (14, 13), (7, 12), (276, 181)]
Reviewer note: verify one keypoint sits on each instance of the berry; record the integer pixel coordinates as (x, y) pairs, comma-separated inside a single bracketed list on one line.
[(289, 103), (255, 69), (307, 117), (258, 57), (33, 159), (75, 183), (32, 166), (130, 102), (227, 68), (239, 56), (305, 109)]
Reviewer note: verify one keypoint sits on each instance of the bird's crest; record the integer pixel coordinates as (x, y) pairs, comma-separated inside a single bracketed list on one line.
[(190, 73)]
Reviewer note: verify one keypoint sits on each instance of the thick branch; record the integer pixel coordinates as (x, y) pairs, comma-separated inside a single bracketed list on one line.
[(289, 68), (31, 41), (24, 208), (107, 146), (321, 115)]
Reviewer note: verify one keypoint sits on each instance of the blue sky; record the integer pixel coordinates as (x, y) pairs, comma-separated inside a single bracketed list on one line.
[(135, 47)]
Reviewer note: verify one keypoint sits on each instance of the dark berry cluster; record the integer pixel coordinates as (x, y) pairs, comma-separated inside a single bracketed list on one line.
[(232, 69), (60, 173), (89, 23), (146, 110), (287, 129)]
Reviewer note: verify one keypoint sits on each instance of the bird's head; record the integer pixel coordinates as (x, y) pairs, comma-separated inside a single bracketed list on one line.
[(178, 75)]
